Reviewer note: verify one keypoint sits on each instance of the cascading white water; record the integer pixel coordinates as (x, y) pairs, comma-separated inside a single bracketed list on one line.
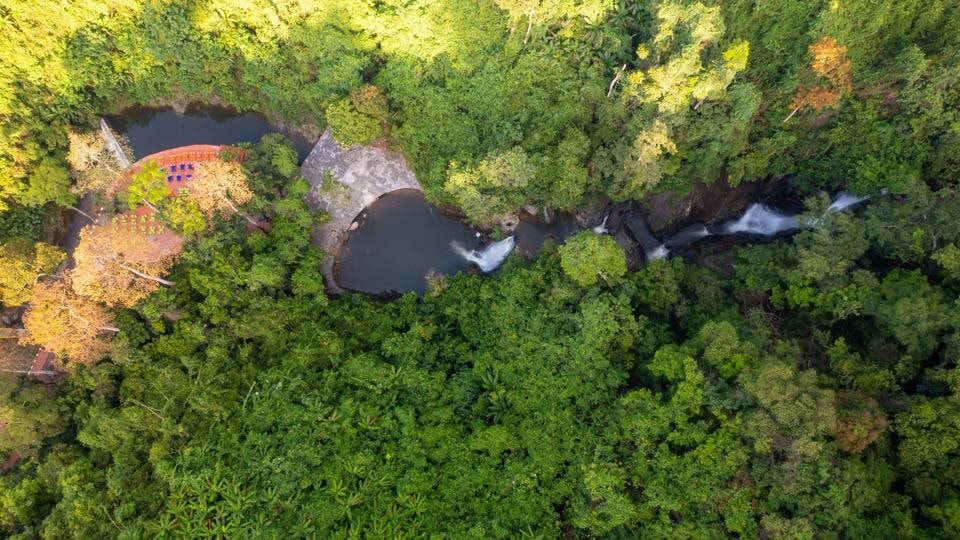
[(845, 200), (632, 234), (602, 227), (841, 202), (113, 145), (688, 235), (490, 257), (761, 220), (660, 252)]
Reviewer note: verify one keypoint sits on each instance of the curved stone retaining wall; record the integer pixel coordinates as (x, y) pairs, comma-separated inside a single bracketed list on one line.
[(343, 182)]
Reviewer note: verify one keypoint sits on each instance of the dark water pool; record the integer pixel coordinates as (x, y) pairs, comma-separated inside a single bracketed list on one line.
[(152, 129), (400, 240), (532, 234)]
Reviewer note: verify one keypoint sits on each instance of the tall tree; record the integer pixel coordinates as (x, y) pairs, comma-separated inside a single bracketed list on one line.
[(94, 168), (220, 187), (830, 78), (183, 215), (494, 187), (49, 182), (679, 70), (360, 118), (27, 417), (119, 267), (540, 12), (147, 186), (589, 257), (20, 266), (66, 323)]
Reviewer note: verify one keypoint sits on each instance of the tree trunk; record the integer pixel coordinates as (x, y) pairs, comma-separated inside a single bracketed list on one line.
[(529, 26), (30, 371), (108, 328), (798, 107), (615, 79), (152, 207), (147, 276), (245, 216), (82, 213)]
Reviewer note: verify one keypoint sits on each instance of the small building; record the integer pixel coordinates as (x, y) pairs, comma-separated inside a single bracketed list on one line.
[(30, 360)]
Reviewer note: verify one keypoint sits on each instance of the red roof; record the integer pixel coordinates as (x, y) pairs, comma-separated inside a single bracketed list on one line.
[(193, 154)]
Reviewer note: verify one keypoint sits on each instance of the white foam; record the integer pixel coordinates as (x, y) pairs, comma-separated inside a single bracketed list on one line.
[(660, 252), (761, 220), (602, 228), (490, 257), (844, 200)]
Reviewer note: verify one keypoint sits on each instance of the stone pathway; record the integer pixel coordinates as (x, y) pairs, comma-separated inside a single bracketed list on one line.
[(344, 182)]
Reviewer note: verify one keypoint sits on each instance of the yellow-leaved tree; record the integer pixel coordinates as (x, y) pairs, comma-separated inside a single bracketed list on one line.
[(119, 268), (220, 188), (21, 263), (66, 323), (94, 167), (830, 74)]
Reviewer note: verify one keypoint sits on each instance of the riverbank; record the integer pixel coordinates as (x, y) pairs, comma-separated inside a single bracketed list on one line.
[(346, 181), (403, 252)]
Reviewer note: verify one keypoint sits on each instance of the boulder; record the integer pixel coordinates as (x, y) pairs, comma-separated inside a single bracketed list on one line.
[(664, 210), (631, 250), (635, 223)]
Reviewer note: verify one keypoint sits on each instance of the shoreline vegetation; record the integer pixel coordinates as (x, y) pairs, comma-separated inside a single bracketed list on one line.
[(799, 389)]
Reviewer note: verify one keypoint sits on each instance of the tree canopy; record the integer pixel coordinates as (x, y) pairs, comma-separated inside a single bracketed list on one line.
[(804, 387)]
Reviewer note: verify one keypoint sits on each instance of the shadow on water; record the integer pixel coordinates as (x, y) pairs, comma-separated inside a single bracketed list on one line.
[(401, 238), (152, 129), (532, 234)]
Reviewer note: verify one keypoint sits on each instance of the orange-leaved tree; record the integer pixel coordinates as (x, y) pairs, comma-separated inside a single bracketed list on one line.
[(830, 74), (117, 267), (220, 187), (66, 323)]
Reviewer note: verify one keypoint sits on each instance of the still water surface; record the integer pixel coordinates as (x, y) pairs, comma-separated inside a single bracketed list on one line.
[(152, 129)]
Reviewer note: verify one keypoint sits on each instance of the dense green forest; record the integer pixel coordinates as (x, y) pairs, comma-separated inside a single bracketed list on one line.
[(804, 388)]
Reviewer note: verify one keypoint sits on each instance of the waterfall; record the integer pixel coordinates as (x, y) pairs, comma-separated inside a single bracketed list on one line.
[(660, 252), (845, 200), (490, 257), (688, 235), (602, 227), (113, 145), (841, 202), (761, 220)]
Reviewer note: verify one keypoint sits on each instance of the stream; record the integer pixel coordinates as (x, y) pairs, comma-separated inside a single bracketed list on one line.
[(401, 239), (400, 242)]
